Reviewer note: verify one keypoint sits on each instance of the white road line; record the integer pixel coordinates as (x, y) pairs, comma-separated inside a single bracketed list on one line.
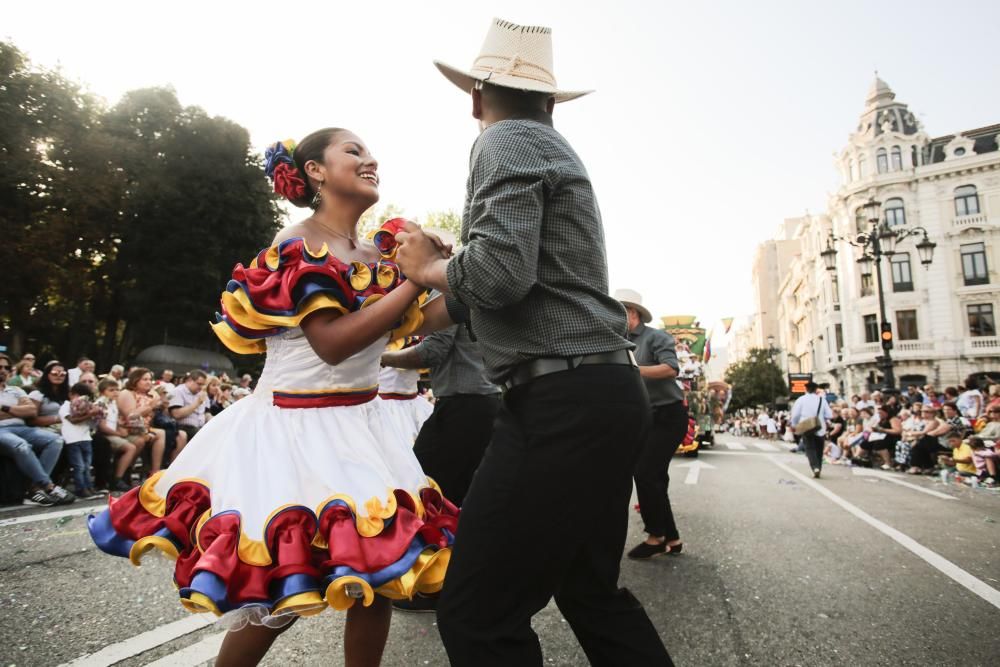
[(145, 641), (889, 477), (765, 446), (943, 565), (735, 445), (44, 516), (694, 470), (26, 506), (193, 655)]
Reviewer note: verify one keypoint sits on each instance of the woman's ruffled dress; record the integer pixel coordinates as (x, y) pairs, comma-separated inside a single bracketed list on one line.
[(305, 494), (401, 400)]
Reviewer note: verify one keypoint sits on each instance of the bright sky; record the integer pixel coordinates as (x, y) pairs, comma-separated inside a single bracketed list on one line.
[(712, 121)]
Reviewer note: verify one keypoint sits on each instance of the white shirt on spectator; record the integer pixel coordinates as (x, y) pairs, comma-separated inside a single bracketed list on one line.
[(181, 398), (73, 376), (969, 403), (11, 396), (73, 432)]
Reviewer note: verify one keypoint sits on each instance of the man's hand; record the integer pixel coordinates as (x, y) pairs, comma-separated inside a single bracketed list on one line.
[(421, 255)]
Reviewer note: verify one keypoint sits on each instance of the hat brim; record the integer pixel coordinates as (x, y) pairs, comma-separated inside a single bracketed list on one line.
[(644, 314), (466, 80)]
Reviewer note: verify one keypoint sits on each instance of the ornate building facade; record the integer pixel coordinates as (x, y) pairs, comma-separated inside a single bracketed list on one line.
[(944, 315)]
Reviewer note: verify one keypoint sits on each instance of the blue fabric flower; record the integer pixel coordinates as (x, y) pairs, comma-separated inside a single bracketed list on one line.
[(273, 155)]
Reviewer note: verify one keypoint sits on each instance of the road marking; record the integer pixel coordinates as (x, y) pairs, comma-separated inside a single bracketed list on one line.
[(695, 470), (44, 516), (193, 655), (943, 565), (865, 472), (735, 445), (145, 641), (765, 446)]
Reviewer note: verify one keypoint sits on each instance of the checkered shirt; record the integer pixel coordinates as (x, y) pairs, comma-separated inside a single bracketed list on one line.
[(532, 270)]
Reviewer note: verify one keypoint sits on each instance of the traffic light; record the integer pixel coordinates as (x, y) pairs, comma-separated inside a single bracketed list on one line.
[(886, 335)]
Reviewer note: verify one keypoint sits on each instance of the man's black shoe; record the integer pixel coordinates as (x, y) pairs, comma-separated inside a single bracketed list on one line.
[(419, 604), (645, 551)]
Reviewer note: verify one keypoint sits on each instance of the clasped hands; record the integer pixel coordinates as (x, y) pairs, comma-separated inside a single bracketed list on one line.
[(421, 255)]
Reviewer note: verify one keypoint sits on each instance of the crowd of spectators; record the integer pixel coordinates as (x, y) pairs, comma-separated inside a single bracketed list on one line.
[(921, 431), (69, 433)]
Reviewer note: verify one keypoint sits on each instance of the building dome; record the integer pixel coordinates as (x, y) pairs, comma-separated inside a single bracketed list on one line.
[(883, 114)]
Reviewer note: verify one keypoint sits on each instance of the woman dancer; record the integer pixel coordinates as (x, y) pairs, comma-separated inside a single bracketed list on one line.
[(302, 495), (398, 390)]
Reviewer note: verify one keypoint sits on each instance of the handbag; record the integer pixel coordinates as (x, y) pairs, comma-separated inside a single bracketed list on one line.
[(807, 426)]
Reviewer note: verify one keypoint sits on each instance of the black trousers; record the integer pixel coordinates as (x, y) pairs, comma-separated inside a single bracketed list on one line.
[(546, 516), (451, 442), (652, 478), (813, 445), (103, 461), (925, 451)]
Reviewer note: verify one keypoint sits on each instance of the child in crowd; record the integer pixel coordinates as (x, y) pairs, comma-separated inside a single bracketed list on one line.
[(984, 457), (77, 415), (123, 446), (961, 455)]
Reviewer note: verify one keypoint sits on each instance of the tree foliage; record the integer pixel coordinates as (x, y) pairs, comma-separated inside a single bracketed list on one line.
[(120, 225), (757, 380)]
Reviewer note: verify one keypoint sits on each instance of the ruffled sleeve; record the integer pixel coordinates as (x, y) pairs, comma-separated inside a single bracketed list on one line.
[(288, 281)]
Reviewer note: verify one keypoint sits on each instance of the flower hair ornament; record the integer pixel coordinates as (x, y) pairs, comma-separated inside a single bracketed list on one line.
[(280, 168)]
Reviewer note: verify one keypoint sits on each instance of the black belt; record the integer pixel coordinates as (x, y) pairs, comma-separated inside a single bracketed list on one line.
[(536, 368)]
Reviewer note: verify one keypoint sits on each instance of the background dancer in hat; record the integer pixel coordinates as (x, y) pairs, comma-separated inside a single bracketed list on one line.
[(302, 496), (547, 511), (656, 354)]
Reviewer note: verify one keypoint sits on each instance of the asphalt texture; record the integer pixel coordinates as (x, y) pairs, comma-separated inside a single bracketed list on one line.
[(773, 572)]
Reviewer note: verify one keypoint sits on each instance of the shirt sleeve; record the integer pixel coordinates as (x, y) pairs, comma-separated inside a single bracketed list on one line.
[(176, 400), (498, 265), (796, 412), (434, 349), (664, 350), (64, 410), (37, 396)]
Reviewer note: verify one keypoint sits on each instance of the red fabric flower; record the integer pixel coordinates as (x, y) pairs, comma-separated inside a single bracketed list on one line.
[(288, 183)]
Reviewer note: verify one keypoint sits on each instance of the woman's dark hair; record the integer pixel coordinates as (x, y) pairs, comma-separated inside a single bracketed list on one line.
[(53, 392), (312, 148), (972, 382)]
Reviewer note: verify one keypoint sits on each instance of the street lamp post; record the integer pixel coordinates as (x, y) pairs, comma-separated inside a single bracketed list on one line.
[(878, 242)]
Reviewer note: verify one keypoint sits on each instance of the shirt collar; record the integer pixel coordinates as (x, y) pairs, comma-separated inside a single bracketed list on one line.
[(635, 333)]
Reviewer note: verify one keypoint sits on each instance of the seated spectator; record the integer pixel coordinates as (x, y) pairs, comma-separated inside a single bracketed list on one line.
[(885, 433), (245, 382), (961, 455), (213, 389), (25, 374), (117, 373), (970, 402), (176, 439), (123, 447), (240, 392), (136, 406), (83, 365), (167, 380), (34, 451), (984, 457), (867, 420), (924, 453), (991, 431), (77, 414), (50, 392), (189, 403), (914, 426), (931, 397)]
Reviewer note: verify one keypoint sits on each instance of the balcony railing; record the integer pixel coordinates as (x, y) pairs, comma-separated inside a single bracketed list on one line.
[(974, 220), (980, 345)]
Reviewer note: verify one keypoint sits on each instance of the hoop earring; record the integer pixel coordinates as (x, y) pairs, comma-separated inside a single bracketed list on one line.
[(317, 198)]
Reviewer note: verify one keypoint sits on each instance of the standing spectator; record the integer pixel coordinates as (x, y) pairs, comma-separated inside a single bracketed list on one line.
[(83, 365), (189, 403), (25, 374), (810, 405), (50, 392), (123, 447), (34, 451), (136, 406), (914, 394), (76, 434), (970, 402)]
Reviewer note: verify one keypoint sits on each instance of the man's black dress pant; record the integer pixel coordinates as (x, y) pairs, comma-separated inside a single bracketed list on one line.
[(546, 516)]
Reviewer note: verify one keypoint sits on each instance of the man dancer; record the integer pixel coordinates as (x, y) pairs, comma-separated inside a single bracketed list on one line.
[(656, 354), (547, 511), (451, 442)]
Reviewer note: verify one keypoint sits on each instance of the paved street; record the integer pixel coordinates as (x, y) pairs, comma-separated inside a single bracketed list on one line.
[(858, 569)]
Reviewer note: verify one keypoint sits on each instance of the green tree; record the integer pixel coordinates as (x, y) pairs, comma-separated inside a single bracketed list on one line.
[(449, 221), (756, 380)]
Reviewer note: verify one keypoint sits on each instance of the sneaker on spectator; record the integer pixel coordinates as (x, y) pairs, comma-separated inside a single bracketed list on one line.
[(120, 486), (39, 497), (61, 495)]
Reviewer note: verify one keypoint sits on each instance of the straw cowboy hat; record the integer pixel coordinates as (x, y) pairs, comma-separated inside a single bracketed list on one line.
[(633, 299), (513, 56)]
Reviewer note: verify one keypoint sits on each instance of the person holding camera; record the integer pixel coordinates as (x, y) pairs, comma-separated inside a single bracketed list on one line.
[(809, 416)]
